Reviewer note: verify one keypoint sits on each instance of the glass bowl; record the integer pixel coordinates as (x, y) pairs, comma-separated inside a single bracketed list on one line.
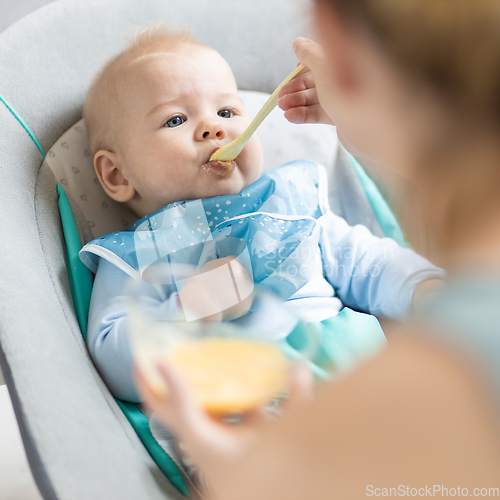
[(225, 335)]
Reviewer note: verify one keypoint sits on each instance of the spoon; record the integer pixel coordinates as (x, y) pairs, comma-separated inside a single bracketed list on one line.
[(231, 150)]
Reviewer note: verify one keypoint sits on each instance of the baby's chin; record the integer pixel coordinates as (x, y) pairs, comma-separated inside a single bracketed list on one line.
[(226, 187), (229, 183)]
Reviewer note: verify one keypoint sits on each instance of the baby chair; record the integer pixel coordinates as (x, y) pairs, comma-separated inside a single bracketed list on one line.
[(78, 441)]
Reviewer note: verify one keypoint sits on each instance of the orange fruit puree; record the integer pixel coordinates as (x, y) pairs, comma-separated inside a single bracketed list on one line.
[(231, 375)]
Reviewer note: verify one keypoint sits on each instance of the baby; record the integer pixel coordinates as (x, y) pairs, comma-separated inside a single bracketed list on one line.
[(155, 114)]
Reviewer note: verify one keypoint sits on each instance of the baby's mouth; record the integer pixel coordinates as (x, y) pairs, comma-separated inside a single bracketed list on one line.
[(218, 168)]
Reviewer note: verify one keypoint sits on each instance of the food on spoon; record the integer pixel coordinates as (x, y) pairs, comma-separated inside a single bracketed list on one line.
[(231, 375), (218, 168)]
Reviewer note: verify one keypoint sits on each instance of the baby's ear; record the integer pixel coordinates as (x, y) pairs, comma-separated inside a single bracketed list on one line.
[(109, 173)]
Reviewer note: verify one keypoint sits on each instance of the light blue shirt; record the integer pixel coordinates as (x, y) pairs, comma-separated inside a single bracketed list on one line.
[(296, 247)]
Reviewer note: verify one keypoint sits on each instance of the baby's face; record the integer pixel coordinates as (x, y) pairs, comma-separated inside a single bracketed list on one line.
[(177, 109)]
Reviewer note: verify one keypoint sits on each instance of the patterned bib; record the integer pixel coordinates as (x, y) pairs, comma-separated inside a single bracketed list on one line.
[(271, 226)]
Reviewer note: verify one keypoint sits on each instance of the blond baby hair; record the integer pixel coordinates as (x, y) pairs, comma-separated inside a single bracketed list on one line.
[(101, 108)]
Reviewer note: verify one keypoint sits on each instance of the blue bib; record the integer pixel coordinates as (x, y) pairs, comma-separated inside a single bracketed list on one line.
[(272, 226)]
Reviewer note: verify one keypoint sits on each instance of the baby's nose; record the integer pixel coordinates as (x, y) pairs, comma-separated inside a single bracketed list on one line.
[(212, 130)]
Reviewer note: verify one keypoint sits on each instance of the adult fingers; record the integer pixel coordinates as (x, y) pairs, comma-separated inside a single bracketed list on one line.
[(174, 404), (202, 435), (303, 82), (307, 97), (308, 114), (207, 441), (183, 411), (310, 54)]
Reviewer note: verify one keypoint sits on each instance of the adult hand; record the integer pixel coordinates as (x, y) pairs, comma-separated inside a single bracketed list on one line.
[(304, 99), (211, 443)]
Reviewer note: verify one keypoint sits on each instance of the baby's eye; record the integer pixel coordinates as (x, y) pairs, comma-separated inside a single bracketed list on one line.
[(175, 121), (225, 113)]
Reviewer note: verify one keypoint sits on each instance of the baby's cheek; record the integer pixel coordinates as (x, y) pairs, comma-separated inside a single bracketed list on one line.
[(179, 156), (254, 158)]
